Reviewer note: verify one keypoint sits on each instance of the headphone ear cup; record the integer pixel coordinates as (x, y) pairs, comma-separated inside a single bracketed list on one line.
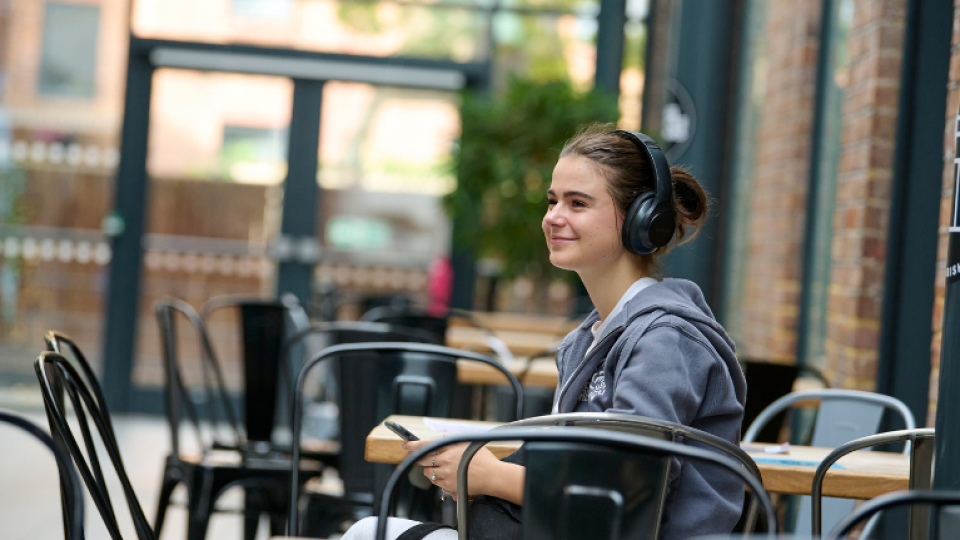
[(635, 223)]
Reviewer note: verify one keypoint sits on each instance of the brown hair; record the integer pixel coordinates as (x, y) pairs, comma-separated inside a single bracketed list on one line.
[(628, 173)]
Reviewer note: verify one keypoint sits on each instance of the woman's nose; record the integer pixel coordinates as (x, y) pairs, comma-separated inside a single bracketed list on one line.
[(553, 216)]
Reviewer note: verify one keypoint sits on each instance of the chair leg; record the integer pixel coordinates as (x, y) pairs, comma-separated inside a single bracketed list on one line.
[(278, 524), (198, 517), (166, 491), (278, 510), (202, 495), (253, 501)]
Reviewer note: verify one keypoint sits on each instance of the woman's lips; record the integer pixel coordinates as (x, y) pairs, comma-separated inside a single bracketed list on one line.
[(554, 240)]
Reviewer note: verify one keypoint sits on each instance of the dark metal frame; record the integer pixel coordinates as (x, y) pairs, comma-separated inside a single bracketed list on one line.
[(610, 23), (705, 67), (816, 220), (909, 284), (308, 70)]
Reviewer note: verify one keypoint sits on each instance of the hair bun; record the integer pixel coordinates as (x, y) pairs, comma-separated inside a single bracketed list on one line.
[(690, 203)]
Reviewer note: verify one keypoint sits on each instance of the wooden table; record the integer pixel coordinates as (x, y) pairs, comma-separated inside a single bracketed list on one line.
[(865, 474), (519, 322), (520, 343), (542, 373)]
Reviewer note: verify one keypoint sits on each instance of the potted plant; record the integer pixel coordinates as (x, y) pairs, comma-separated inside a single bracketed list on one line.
[(504, 163)]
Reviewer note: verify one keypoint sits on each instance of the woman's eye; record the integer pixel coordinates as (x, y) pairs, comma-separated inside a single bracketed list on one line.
[(579, 204), (551, 202)]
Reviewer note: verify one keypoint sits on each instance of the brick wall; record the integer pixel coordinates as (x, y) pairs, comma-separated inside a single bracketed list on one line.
[(780, 179), (953, 97), (861, 214)]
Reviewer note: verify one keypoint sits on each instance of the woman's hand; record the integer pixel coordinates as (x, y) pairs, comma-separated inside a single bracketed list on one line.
[(486, 474)]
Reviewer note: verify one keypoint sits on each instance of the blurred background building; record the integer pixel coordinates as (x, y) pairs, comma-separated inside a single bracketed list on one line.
[(821, 129)]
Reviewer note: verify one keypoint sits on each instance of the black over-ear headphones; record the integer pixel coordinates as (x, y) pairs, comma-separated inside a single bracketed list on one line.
[(650, 221)]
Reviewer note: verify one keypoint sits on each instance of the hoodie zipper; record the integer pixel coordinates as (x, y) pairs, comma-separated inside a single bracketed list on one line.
[(566, 386)]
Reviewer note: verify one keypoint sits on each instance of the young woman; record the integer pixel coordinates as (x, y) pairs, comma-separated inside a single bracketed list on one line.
[(651, 347)]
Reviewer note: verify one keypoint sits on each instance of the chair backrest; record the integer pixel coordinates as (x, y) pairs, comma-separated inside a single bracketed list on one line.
[(921, 469), (945, 523), (406, 375), (372, 386), (72, 493), (409, 318), (562, 502), (643, 425), (628, 503), (656, 428), (769, 382), (218, 414), (843, 415), (59, 342), (264, 326), (650, 475), (56, 374)]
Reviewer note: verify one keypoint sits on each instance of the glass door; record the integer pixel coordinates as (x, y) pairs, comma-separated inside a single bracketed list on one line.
[(217, 159)]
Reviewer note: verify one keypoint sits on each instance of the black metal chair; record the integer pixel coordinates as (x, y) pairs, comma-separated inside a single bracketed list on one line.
[(71, 488), (59, 342), (57, 378), (262, 472), (649, 427), (357, 411), (843, 415), (583, 483), (921, 470), (398, 378), (941, 527)]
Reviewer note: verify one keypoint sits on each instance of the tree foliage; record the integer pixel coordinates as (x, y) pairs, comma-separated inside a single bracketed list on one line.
[(504, 164)]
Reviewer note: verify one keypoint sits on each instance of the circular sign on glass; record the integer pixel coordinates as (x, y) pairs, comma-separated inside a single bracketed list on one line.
[(679, 121)]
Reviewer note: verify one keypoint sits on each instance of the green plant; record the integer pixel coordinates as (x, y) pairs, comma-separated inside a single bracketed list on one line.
[(504, 163)]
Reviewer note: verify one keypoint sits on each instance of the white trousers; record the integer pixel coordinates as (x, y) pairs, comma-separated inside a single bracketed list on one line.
[(366, 529)]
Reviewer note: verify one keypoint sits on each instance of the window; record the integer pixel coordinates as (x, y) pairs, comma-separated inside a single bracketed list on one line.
[(814, 319), (254, 155), (69, 57), (274, 10), (750, 95)]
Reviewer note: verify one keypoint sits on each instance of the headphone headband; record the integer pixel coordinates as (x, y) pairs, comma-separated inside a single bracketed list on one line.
[(650, 221), (663, 185)]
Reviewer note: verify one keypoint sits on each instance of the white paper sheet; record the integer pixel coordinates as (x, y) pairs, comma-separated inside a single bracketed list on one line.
[(452, 426), (771, 449)]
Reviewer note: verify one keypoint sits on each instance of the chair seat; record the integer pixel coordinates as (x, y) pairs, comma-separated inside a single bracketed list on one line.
[(224, 458), (318, 485)]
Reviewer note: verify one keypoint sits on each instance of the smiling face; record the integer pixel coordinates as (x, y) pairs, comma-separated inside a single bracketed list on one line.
[(582, 224)]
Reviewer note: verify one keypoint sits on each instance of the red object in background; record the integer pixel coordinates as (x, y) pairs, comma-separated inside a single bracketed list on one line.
[(439, 286)]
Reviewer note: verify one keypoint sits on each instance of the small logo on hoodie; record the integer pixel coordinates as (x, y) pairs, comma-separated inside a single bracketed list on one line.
[(597, 386)]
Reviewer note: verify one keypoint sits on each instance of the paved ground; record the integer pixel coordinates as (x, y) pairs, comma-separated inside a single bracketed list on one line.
[(29, 490)]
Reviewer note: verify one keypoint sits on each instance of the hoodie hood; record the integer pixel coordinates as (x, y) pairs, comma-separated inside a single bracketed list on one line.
[(677, 297)]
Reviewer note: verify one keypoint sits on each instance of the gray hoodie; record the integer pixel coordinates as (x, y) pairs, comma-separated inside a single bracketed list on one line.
[(665, 356)]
